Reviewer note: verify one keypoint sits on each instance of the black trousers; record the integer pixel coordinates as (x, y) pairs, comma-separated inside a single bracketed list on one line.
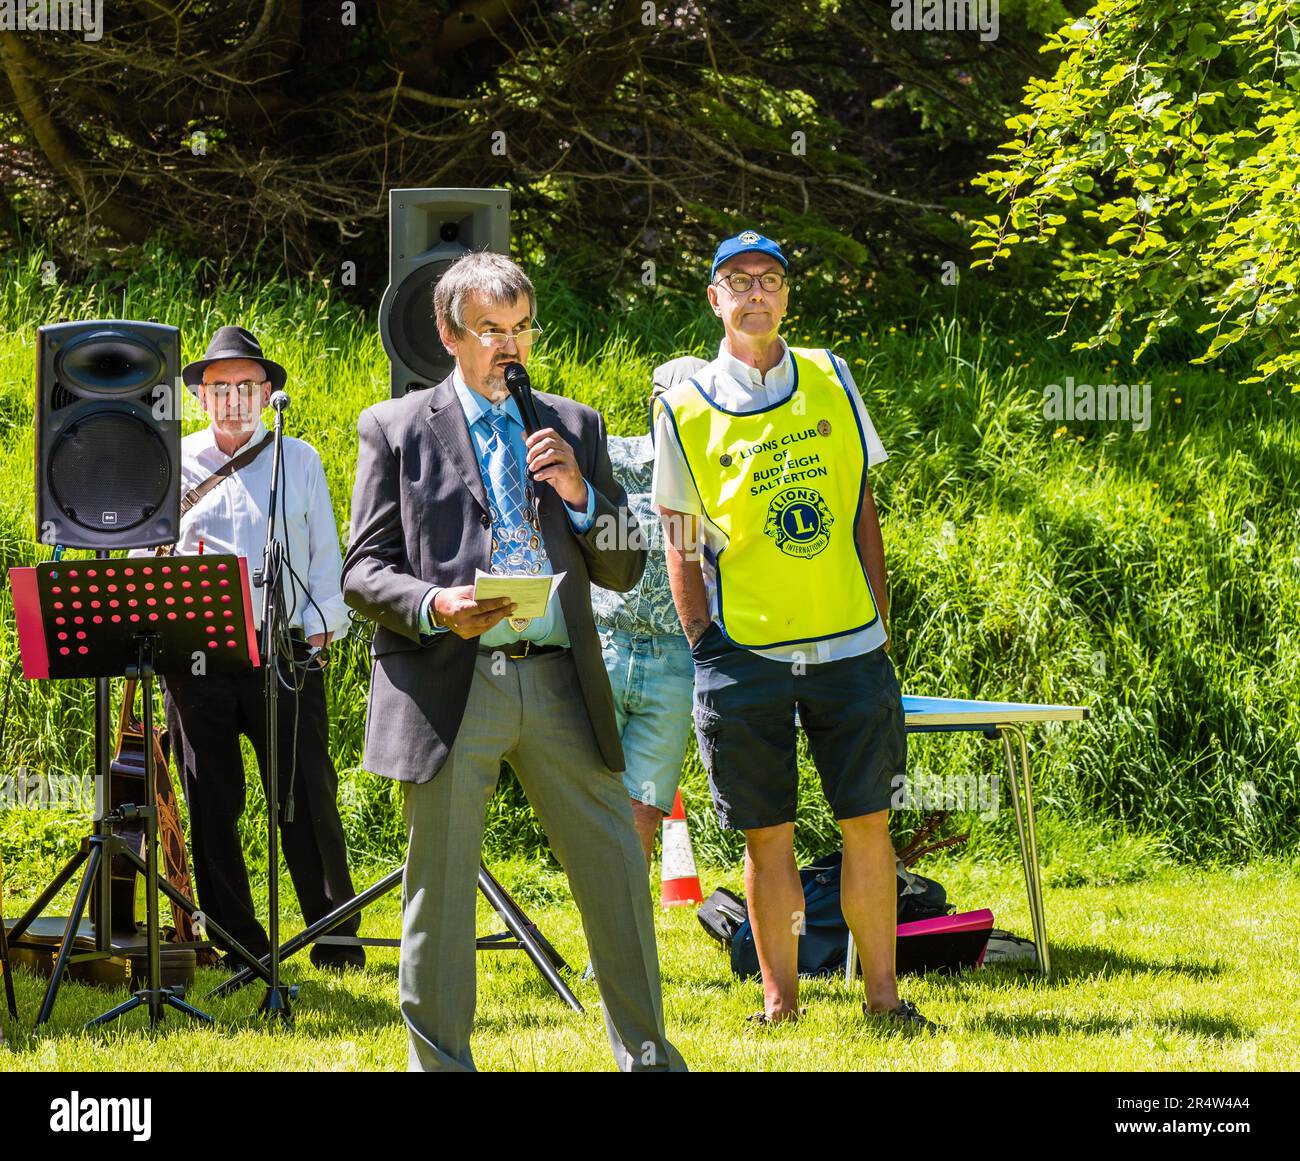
[(206, 716)]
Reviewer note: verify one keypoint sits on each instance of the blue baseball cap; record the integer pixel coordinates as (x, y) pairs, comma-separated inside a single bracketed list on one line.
[(743, 243)]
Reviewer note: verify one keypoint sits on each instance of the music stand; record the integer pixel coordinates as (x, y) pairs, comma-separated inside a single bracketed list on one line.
[(141, 617)]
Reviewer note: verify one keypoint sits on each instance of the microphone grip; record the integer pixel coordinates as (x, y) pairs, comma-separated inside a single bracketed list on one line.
[(521, 391), (529, 411)]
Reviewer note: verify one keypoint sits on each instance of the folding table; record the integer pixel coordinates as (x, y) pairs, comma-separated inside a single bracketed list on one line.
[(997, 721)]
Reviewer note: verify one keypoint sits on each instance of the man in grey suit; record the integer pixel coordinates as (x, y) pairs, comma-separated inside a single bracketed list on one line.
[(447, 482)]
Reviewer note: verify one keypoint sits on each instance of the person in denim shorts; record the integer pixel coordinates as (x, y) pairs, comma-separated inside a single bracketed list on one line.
[(646, 655)]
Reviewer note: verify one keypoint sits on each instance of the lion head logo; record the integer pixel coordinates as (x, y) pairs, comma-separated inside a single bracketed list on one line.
[(799, 520)]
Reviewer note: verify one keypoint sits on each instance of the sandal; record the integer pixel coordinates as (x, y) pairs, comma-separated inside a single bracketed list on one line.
[(760, 1019), (904, 1018)]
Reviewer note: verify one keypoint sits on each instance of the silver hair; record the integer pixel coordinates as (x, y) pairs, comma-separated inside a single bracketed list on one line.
[(490, 276)]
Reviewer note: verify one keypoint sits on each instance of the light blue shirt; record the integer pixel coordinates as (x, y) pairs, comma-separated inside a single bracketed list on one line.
[(549, 629)]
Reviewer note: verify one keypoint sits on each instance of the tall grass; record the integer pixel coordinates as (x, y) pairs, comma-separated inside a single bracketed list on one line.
[(1151, 575)]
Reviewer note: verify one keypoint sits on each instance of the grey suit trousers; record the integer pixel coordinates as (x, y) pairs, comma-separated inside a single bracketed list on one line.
[(530, 713)]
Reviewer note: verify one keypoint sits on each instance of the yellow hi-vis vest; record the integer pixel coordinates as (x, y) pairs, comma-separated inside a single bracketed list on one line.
[(784, 484)]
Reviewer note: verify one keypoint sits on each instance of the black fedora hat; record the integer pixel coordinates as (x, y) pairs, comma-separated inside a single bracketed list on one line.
[(234, 343)]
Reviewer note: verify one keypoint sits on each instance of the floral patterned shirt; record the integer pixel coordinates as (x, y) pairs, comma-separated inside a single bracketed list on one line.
[(648, 609)]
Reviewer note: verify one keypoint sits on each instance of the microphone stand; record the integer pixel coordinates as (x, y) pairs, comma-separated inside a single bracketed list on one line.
[(276, 1002)]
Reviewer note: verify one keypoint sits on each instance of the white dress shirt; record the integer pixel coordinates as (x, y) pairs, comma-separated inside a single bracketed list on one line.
[(232, 519), (737, 386)]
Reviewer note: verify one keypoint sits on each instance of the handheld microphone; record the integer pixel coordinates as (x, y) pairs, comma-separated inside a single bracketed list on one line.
[(280, 400), (521, 391)]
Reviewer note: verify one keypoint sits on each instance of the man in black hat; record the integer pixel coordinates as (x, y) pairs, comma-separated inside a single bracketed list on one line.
[(207, 714)]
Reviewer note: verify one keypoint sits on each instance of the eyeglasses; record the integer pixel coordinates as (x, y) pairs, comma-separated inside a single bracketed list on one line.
[(499, 340), (244, 387), (740, 282)]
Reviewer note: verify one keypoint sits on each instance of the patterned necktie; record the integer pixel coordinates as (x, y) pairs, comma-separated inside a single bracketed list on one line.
[(516, 532)]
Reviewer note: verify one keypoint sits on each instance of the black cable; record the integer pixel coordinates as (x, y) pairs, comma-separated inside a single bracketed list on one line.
[(300, 683), (282, 648), (284, 645), (295, 580), (4, 716)]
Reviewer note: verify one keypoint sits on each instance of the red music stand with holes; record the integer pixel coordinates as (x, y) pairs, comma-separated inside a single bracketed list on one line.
[(135, 617), (83, 618)]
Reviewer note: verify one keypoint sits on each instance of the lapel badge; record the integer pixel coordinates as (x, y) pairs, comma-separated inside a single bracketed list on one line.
[(823, 427)]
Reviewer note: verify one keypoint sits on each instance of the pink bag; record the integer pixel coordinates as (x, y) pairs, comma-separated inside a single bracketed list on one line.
[(947, 943)]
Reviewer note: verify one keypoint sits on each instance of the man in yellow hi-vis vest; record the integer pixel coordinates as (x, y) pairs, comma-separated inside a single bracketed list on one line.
[(777, 570)]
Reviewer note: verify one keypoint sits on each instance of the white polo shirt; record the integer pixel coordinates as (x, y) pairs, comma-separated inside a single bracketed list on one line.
[(738, 387)]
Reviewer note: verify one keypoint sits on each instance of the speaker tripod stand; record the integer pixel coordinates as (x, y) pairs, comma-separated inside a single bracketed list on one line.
[(521, 934)]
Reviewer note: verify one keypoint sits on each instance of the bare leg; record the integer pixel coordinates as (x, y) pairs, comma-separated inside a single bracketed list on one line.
[(776, 906), (869, 898), (647, 820)]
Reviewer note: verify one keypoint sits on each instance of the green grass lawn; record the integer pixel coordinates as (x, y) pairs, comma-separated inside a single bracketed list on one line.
[(1187, 969)]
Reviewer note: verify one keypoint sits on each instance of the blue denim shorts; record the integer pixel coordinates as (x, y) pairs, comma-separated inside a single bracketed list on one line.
[(653, 679)]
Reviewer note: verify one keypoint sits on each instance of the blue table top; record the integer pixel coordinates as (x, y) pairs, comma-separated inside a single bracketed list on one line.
[(965, 713)]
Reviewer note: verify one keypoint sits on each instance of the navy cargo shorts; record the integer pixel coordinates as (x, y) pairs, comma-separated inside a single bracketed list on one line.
[(851, 711)]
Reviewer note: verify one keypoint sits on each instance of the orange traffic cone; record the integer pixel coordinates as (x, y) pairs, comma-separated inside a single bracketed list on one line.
[(681, 881)]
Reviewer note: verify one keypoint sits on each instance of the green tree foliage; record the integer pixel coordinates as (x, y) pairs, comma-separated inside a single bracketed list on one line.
[(1159, 166), (629, 132)]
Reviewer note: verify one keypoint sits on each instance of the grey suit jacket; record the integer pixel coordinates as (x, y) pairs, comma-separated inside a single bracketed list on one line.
[(420, 518)]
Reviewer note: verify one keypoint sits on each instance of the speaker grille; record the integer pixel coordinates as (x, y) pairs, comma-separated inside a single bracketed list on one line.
[(109, 470), (414, 329)]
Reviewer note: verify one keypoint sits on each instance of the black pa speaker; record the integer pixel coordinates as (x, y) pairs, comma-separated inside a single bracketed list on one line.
[(428, 229), (108, 434)]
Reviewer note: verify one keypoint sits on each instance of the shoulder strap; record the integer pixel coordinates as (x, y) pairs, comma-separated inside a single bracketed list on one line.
[(203, 487), (228, 469)]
